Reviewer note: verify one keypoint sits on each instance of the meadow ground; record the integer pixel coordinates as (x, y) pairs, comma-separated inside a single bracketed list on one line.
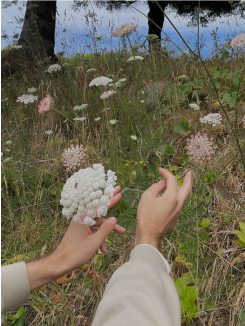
[(128, 135)]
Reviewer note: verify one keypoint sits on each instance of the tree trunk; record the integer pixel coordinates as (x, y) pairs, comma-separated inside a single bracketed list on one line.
[(38, 32), (156, 15)]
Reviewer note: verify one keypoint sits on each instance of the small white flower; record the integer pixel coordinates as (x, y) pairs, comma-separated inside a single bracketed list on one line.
[(194, 106), (80, 119), (134, 137), (113, 122), (136, 57), (186, 53), (92, 69), (32, 90), (122, 80), (97, 119), (53, 68), (7, 159), (48, 132), (8, 142), (80, 107), (99, 81), (26, 99), (212, 119), (142, 101), (92, 14)]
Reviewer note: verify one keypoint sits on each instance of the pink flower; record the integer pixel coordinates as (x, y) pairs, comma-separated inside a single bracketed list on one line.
[(200, 148), (238, 41), (45, 103), (73, 156), (107, 94), (124, 29)]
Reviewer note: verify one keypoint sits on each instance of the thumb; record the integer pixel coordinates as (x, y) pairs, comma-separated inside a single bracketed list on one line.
[(105, 229)]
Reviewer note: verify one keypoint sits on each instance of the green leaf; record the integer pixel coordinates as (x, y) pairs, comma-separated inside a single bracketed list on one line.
[(236, 78), (20, 321), (242, 227), (209, 304), (9, 317), (205, 223), (240, 235), (180, 181), (229, 75), (182, 127), (19, 313)]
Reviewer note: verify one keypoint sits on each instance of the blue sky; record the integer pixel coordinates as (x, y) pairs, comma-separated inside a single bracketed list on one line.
[(73, 39)]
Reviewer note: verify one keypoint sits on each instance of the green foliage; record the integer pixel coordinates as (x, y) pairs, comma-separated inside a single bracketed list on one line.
[(241, 234), (243, 317), (18, 319), (188, 297), (182, 127), (205, 223), (209, 177)]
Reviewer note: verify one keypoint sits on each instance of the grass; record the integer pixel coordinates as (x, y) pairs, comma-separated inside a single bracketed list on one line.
[(203, 243)]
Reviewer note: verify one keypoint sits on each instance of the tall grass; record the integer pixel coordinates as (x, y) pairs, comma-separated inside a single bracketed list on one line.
[(203, 243)]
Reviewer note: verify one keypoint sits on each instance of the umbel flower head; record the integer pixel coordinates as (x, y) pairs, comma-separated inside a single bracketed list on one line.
[(124, 29), (45, 104), (53, 68), (73, 157), (213, 119), (99, 81), (136, 57), (238, 41), (107, 94), (26, 99), (88, 190), (200, 148)]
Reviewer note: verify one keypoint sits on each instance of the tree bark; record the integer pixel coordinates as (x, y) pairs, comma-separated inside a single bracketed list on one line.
[(156, 15), (38, 33)]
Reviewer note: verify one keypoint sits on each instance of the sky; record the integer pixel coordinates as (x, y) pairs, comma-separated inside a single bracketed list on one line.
[(73, 33)]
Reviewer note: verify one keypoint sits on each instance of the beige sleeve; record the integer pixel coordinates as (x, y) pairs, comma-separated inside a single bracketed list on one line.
[(140, 292), (15, 285)]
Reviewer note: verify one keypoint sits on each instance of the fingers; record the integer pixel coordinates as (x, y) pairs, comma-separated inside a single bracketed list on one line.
[(171, 181), (156, 188), (114, 200), (103, 248), (119, 229), (186, 188), (104, 231)]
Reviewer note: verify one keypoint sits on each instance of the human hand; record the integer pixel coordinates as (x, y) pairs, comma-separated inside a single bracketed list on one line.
[(157, 215), (79, 244)]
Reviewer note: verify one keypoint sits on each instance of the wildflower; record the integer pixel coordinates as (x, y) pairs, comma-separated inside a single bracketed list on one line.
[(92, 14), (80, 119), (32, 90), (80, 107), (212, 119), (135, 47), (107, 94), (99, 37), (136, 57), (113, 122), (8, 142), (92, 69), (45, 104), (186, 53), (127, 164), (88, 190), (142, 101), (100, 81), (151, 37), (97, 119), (26, 99), (194, 106), (238, 41), (124, 29), (7, 159), (73, 156), (53, 68), (141, 162), (134, 137), (48, 132), (200, 147)]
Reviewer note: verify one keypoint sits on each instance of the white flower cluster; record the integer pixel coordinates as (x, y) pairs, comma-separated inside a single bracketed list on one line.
[(136, 57), (53, 68), (32, 90), (80, 107), (48, 132), (212, 119), (26, 99), (194, 106), (79, 119), (107, 94), (100, 81), (88, 190)]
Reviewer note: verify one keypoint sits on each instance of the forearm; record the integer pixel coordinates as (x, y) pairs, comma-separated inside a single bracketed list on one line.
[(143, 237)]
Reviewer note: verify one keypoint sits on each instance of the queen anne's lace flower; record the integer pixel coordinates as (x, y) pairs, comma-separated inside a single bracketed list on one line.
[(200, 148), (212, 119), (238, 41), (88, 190), (53, 68), (32, 90), (136, 57), (48, 132), (194, 106), (80, 107), (107, 94), (99, 81), (45, 104), (26, 99), (124, 29), (73, 156)]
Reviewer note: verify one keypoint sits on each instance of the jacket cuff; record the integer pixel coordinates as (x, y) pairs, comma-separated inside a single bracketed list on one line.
[(152, 255), (15, 285)]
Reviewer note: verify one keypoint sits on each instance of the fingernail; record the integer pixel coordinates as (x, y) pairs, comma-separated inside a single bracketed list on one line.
[(113, 220), (161, 181)]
